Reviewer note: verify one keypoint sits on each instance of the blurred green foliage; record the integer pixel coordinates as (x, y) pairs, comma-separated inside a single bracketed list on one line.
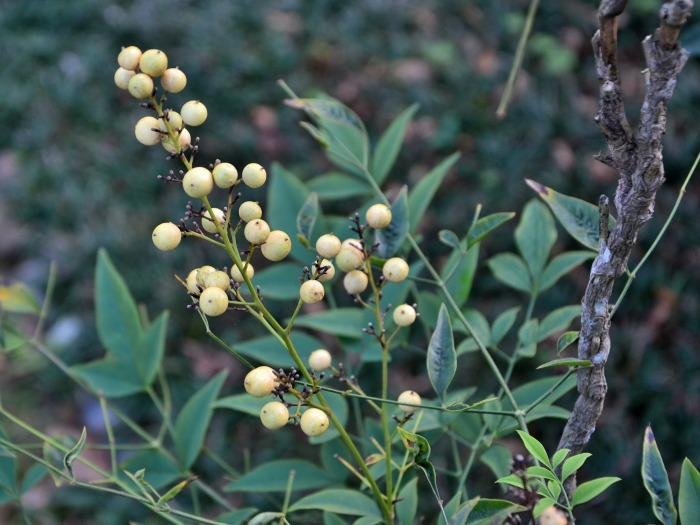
[(73, 179)]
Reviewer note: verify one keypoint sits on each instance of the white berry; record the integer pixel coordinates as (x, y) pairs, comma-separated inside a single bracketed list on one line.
[(274, 415), (260, 381), (320, 359), (395, 270), (411, 397), (254, 175), (166, 236), (311, 292), (213, 301), (404, 315), (314, 422), (378, 216)]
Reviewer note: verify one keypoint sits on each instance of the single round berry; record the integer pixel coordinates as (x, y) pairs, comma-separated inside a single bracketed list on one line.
[(122, 77), (192, 282), (237, 276), (328, 245), (411, 397), (254, 175), (217, 279), (355, 244), (328, 273), (378, 216), (249, 211), (202, 275), (213, 301), (314, 422), (225, 175), (166, 236), (174, 120), (146, 131), (277, 246), (198, 182), (274, 415), (194, 113), (173, 80), (185, 139), (257, 231), (349, 259), (129, 57), (320, 359), (355, 282), (553, 516), (208, 224), (395, 270), (140, 86), (153, 62), (311, 292), (404, 315), (260, 381)]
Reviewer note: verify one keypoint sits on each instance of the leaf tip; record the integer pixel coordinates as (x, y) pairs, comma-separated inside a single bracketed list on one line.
[(540, 189)]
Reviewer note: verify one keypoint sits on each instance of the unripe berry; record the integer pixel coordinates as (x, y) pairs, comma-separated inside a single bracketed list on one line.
[(144, 131), (129, 57), (174, 121), (349, 259), (173, 80), (249, 211), (395, 270), (153, 62), (202, 275), (274, 415), (314, 422), (198, 182), (257, 231), (194, 113), (355, 282), (213, 301), (140, 86), (409, 396), (328, 245), (277, 246), (183, 140), (122, 77), (217, 279), (378, 216), (166, 236), (260, 381), (311, 292), (208, 224), (192, 282), (320, 359), (329, 273), (404, 315), (237, 276), (225, 174), (254, 175)]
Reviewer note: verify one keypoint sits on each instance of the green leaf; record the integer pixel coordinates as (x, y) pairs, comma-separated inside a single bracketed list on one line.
[(306, 218), (18, 299), (265, 517), (527, 338), (273, 476), (242, 403), (572, 464), (449, 238), (689, 494), (236, 517), (338, 186), (391, 238), (279, 281), (74, 452), (149, 352), (561, 265), (339, 501), (567, 361), (540, 472), (535, 236), (558, 320), (268, 350), (479, 325), (442, 359), (589, 490), (656, 481), (422, 194), (535, 448), (498, 458), (460, 517), (333, 519), (192, 422), (419, 447), (389, 144), (486, 225), (511, 271), (526, 394), (579, 218), (503, 323), (345, 322), (159, 470), (492, 511), (565, 340), (32, 477), (110, 377), (559, 456), (460, 269), (407, 504)]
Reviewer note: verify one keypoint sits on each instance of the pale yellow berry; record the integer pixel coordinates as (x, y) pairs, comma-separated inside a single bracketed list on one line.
[(140, 86), (410, 397), (146, 131), (395, 270), (208, 224), (225, 175), (349, 259), (254, 175), (314, 422), (378, 216), (404, 315), (355, 244), (274, 415), (198, 182), (166, 236), (173, 80), (192, 282), (185, 139), (217, 279), (237, 276), (249, 211), (153, 62), (552, 516), (260, 381), (277, 246), (328, 245), (129, 57), (213, 301), (355, 282), (320, 359), (202, 275), (122, 77), (311, 292), (173, 119), (194, 113), (329, 272), (257, 231)]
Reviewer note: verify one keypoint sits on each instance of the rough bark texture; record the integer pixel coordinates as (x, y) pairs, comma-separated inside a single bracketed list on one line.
[(637, 156)]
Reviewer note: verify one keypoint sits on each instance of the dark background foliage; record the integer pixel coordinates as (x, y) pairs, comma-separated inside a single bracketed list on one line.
[(72, 179)]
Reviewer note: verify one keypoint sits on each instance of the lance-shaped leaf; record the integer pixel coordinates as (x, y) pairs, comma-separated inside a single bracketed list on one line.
[(389, 145), (656, 481), (391, 237), (306, 219), (419, 447), (689, 493), (422, 193), (73, 453), (18, 298), (535, 236), (484, 226), (442, 358)]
